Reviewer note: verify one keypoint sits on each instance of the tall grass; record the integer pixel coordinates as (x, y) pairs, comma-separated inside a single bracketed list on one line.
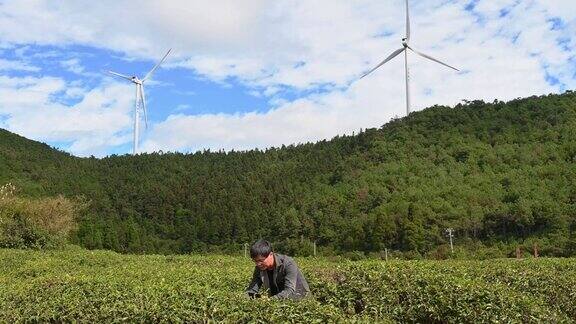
[(36, 223)]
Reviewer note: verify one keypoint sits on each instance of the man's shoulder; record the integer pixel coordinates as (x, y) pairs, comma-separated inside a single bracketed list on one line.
[(283, 259)]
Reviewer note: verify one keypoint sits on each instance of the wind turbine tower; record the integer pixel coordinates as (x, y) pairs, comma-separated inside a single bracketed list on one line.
[(405, 48), (140, 103)]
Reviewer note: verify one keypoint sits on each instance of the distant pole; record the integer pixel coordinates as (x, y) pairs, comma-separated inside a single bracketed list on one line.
[(314, 248), (245, 250), (407, 82), (386, 254), (136, 122), (450, 232)]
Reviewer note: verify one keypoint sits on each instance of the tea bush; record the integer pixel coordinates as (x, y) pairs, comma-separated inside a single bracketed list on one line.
[(453, 291), (100, 286)]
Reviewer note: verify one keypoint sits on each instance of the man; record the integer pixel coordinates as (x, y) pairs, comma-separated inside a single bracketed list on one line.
[(276, 272)]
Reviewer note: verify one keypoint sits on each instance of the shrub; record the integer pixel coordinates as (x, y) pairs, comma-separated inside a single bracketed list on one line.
[(75, 285), (36, 223), (354, 255)]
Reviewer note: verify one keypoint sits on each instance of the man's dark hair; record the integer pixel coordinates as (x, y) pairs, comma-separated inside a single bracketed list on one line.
[(261, 248)]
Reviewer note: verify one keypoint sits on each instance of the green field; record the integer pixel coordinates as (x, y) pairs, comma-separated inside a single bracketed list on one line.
[(102, 286)]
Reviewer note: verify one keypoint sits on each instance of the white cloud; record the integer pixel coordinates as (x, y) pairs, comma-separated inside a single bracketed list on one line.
[(300, 121), (495, 68), (263, 43), (144, 32), (8, 65), (73, 65), (183, 107), (306, 46), (98, 121)]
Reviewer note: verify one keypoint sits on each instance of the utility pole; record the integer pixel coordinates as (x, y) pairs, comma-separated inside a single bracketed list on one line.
[(314, 248), (450, 232), (245, 250)]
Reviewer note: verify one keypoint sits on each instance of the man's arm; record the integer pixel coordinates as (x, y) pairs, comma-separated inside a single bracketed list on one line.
[(255, 284), (290, 280)]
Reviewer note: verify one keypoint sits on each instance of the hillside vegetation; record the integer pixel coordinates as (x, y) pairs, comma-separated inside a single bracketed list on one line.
[(40, 223), (501, 174)]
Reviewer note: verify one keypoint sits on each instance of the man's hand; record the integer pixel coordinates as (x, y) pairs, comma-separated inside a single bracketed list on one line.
[(253, 295)]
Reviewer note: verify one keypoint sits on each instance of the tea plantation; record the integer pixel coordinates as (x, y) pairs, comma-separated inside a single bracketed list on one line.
[(76, 285)]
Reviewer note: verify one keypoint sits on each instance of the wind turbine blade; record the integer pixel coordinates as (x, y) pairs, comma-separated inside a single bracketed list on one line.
[(407, 22), (149, 74), (144, 105), (394, 54), (120, 75), (431, 58)]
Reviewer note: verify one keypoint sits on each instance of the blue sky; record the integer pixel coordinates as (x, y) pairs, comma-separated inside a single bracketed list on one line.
[(258, 73)]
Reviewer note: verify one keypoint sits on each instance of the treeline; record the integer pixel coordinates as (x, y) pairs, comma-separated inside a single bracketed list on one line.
[(500, 174)]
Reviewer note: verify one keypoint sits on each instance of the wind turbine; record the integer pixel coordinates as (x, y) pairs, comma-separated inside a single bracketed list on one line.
[(405, 48), (140, 99)]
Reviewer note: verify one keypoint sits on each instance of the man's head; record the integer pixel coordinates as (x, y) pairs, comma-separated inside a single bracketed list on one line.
[(261, 254)]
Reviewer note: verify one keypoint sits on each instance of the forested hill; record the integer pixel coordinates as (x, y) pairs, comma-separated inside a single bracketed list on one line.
[(498, 173), (33, 167)]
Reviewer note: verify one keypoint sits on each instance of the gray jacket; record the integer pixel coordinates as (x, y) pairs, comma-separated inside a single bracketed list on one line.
[(288, 278)]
